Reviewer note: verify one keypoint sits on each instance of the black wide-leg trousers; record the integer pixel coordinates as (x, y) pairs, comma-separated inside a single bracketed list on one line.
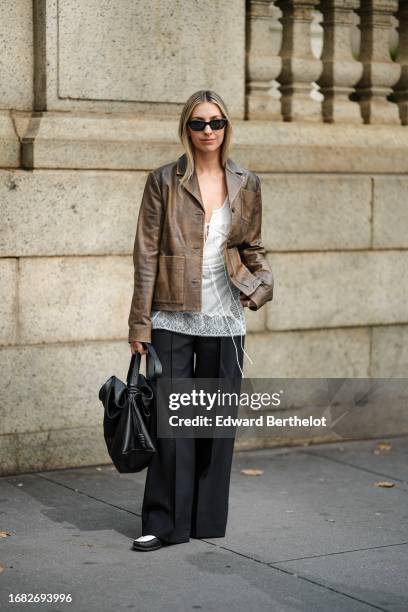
[(187, 482)]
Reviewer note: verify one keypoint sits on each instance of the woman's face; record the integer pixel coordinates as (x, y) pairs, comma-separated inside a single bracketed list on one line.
[(208, 139)]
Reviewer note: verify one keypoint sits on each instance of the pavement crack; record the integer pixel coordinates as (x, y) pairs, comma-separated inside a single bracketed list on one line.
[(73, 489), (300, 576), (333, 590), (340, 552), (357, 467)]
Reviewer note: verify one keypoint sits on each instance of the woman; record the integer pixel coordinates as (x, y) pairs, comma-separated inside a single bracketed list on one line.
[(198, 261)]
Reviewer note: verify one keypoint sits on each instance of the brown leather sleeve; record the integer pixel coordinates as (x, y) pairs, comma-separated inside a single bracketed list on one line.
[(145, 260), (253, 256)]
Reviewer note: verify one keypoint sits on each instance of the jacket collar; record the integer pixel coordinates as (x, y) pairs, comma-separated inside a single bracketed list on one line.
[(234, 175)]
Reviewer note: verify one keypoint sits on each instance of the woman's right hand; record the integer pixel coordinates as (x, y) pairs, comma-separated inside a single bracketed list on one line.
[(137, 347)]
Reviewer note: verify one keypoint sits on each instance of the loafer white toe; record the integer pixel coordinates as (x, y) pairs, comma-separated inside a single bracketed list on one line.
[(147, 543)]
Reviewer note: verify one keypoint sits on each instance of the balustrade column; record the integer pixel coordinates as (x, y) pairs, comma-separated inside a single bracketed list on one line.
[(380, 73), (401, 88), (263, 61), (299, 66), (340, 70)]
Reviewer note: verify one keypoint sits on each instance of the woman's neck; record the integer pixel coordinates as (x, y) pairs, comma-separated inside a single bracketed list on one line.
[(207, 163)]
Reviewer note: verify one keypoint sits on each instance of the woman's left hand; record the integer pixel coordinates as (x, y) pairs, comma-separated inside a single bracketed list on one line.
[(245, 300)]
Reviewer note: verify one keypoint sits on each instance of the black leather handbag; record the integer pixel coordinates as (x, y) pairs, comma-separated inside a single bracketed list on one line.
[(128, 414)]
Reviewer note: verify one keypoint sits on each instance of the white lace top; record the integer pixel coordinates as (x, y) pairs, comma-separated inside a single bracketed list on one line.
[(222, 313)]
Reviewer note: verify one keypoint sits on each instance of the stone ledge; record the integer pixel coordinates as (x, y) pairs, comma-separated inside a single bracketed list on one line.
[(114, 141)]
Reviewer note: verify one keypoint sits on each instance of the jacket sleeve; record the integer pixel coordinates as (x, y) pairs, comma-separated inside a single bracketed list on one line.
[(253, 256), (145, 260)]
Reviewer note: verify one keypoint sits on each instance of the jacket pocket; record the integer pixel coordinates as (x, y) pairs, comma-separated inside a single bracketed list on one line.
[(242, 274), (248, 199), (169, 286)]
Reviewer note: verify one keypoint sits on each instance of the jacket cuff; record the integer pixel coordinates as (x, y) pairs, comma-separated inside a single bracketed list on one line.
[(260, 296), (140, 333)]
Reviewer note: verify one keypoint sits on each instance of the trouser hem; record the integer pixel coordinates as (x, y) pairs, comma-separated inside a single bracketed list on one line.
[(168, 537)]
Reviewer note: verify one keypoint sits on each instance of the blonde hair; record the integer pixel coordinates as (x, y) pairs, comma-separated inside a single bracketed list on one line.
[(203, 95)]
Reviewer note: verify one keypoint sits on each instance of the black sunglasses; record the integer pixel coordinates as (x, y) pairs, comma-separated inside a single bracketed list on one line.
[(197, 125)]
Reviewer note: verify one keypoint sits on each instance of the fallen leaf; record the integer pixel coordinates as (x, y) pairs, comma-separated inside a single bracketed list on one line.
[(384, 483), (382, 448), (2, 568), (4, 534), (251, 472)]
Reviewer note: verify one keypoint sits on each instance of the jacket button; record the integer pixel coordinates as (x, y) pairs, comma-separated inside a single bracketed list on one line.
[(233, 209)]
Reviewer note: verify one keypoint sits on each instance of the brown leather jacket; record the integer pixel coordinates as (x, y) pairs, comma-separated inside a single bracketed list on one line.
[(169, 242)]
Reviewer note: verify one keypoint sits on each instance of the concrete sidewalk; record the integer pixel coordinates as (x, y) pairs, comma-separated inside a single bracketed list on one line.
[(313, 532)]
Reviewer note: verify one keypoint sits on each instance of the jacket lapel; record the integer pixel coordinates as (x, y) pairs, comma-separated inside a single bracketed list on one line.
[(234, 177)]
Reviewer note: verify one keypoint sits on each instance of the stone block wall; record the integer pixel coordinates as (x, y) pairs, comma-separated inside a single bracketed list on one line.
[(78, 133)]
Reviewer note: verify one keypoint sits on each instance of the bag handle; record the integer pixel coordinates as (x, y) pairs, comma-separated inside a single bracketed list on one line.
[(154, 366)]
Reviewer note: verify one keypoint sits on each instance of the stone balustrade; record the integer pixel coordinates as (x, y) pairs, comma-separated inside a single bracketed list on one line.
[(282, 68)]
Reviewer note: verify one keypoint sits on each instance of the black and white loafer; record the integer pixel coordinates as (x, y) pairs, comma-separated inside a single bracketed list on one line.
[(147, 542)]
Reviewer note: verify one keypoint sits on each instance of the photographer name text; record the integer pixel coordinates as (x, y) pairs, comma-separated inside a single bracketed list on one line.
[(268, 420)]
